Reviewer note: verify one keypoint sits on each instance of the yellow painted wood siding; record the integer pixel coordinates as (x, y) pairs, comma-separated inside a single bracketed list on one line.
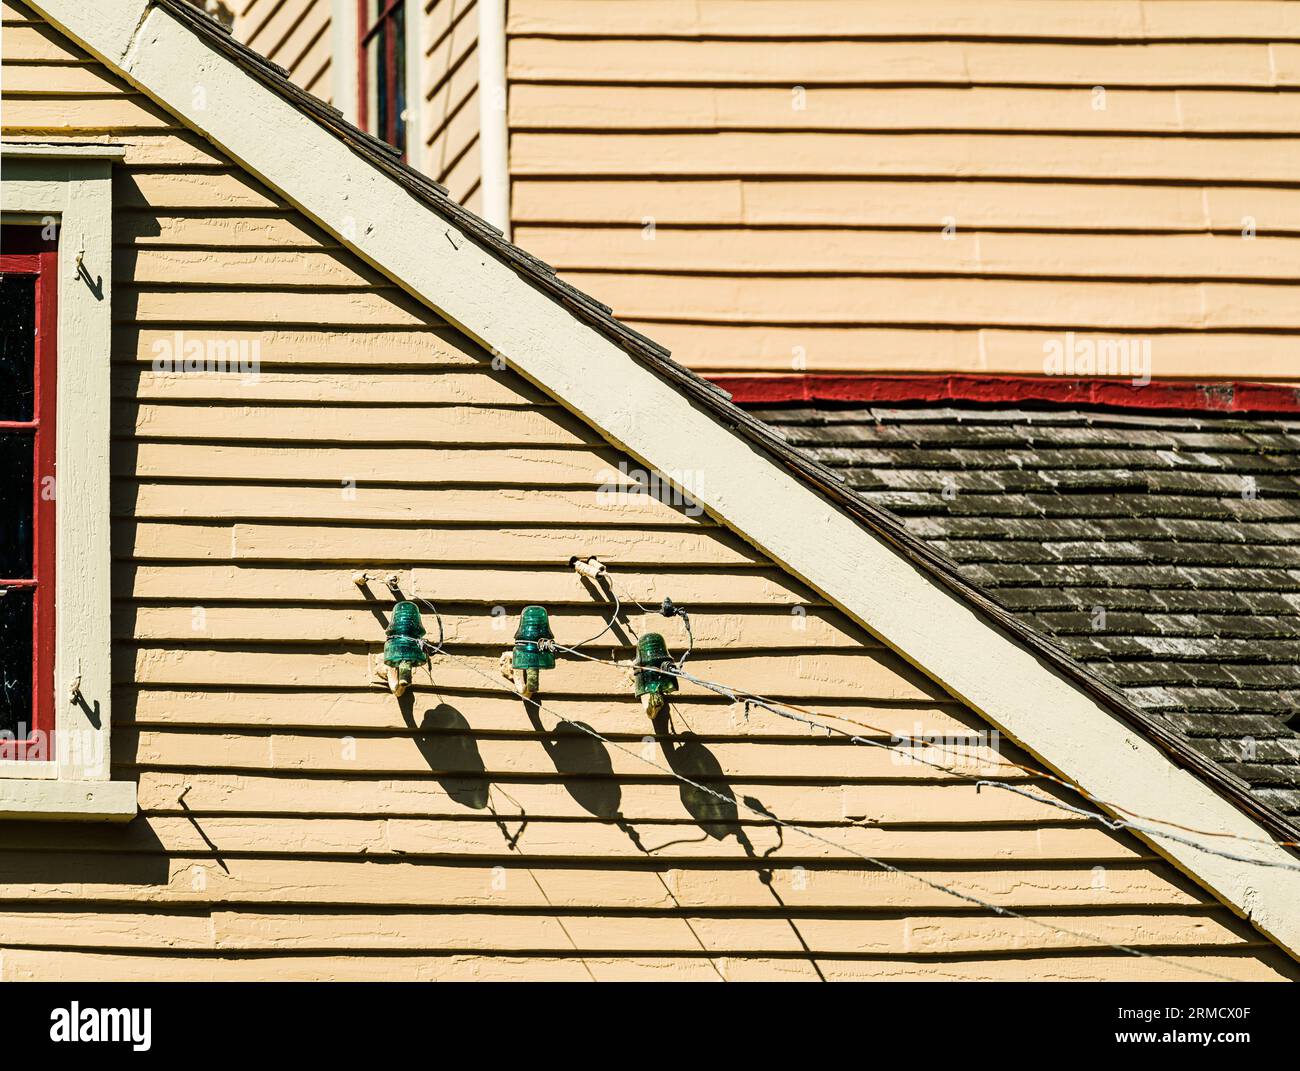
[(293, 33), (297, 822), (450, 83), (765, 185)]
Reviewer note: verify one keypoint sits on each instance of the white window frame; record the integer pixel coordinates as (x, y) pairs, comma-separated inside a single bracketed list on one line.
[(70, 185)]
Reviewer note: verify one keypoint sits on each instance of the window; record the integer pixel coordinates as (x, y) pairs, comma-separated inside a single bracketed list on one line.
[(56, 300), (28, 304), (381, 70)]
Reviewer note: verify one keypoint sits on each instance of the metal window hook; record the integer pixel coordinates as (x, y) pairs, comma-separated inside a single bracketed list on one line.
[(95, 286)]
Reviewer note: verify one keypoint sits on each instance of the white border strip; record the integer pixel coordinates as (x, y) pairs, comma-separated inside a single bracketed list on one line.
[(494, 122), (417, 153), (343, 57), (640, 413)]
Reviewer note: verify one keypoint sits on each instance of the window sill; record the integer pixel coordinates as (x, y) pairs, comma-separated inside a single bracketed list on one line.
[(69, 801)]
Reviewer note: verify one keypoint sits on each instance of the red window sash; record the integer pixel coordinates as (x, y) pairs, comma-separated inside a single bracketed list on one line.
[(42, 427)]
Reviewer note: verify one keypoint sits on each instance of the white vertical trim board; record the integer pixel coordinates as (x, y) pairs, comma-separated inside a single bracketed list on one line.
[(75, 188), (416, 113), (739, 485), (343, 57), (494, 121)]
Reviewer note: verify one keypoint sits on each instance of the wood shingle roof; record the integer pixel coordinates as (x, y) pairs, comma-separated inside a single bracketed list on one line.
[(1162, 551)]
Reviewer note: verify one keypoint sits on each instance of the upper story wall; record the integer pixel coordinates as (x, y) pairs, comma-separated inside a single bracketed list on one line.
[(298, 822), (839, 186), (918, 186)]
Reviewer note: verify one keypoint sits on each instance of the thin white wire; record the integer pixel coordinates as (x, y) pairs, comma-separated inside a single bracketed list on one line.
[(773, 706), (613, 620), (736, 694), (1120, 823), (1112, 823), (667, 609), (768, 816)]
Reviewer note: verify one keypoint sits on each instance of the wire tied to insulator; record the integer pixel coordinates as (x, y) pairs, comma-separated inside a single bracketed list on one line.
[(668, 608)]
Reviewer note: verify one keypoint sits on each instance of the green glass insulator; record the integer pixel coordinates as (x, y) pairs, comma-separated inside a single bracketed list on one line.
[(652, 651), (404, 634), (534, 625)]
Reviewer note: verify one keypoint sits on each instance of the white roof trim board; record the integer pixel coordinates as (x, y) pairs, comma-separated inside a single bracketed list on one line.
[(743, 487)]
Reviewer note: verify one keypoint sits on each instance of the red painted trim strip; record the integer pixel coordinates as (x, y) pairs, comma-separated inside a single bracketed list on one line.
[(39, 744), (1222, 397), (20, 263)]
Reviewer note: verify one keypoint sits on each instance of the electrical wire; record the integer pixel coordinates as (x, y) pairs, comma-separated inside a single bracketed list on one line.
[(1119, 823), (741, 804), (668, 609), (800, 714), (739, 696), (807, 717), (433, 648), (613, 620), (735, 694)]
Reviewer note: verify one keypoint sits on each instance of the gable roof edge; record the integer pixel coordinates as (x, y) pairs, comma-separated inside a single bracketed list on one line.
[(859, 558)]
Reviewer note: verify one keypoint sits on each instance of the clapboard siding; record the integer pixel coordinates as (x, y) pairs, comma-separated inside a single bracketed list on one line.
[(297, 822), (450, 88), (766, 187), (293, 33)]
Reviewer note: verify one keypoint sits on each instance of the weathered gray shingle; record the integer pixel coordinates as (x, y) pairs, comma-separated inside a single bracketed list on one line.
[(1163, 551)]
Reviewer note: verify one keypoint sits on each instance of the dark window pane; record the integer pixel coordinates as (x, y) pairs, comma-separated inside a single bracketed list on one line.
[(381, 82), (17, 346), (15, 506), (16, 662)]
